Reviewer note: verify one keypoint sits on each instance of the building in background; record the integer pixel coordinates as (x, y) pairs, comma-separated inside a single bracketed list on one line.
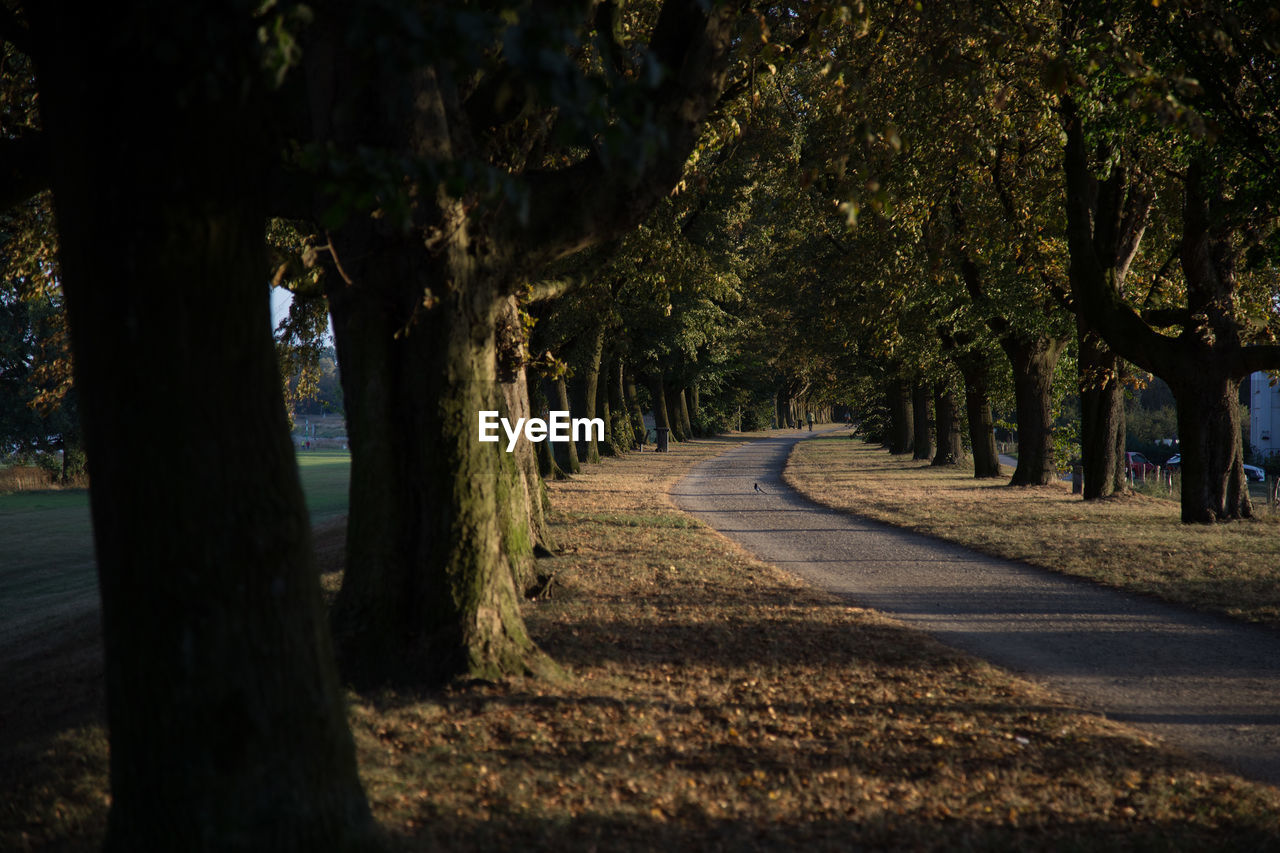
[(1264, 414)]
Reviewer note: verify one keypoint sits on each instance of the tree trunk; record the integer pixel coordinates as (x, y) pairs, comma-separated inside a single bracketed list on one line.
[(977, 399), (686, 423), (547, 465), (566, 452), (1105, 224), (641, 434), (1034, 361), (429, 593), (523, 494), (693, 403), (1102, 416), (1214, 486), (658, 392), (950, 445), (674, 410), (618, 424), (588, 387), (783, 409), (901, 434), (226, 718), (920, 417)]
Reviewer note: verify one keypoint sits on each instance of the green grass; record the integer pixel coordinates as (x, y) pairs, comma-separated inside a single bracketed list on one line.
[(46, 537), (46, 548), (326, 479)]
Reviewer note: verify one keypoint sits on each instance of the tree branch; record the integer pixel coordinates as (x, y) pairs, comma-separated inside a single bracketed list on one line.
[(604, 199)]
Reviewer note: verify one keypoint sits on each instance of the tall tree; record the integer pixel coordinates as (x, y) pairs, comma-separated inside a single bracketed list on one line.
[(227, 723), (489, 145), (1224, 320)]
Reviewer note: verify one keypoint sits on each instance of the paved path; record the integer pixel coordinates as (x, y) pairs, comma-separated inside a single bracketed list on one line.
[(1203, 683)]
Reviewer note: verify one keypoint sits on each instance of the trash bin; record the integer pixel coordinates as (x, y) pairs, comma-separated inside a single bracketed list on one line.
[(662, 439)]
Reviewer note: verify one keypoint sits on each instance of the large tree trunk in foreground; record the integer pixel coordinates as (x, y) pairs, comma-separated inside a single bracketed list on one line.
[(923, 448), (901, 435), (1034, 361), (950, 444), (428, 593), (227, 722)]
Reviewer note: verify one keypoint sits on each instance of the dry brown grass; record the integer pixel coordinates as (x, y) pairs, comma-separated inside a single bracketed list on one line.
[(717, 703), (1134, 542), (25, 478)]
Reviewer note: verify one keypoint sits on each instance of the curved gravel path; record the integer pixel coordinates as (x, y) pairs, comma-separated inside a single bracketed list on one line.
[(1203, 683)]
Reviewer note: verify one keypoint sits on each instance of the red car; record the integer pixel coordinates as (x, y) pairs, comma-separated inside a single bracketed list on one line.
[(1139, 465)]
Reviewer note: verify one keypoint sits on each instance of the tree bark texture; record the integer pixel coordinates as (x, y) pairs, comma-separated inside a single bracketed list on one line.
[(621, 436), (675, 411), (1214, 485), (523, 494), (641, 435), (566, 452), (587, 387), (547, 465), (693, 403), (686, 423), (1034, 360), (226, 718), (1103, 423), (658, 391), (977, 399), (429, 592)]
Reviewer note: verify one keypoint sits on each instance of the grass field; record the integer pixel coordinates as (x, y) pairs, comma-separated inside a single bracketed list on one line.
[(717, 703), (326, 478), (1134, 542), (46, 537)]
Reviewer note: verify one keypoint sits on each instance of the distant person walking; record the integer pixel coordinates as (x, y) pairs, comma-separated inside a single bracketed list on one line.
[(810, 421)]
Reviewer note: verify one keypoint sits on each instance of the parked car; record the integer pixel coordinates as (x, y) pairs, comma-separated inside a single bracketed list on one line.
[(1139, 465), (1252, 472)]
